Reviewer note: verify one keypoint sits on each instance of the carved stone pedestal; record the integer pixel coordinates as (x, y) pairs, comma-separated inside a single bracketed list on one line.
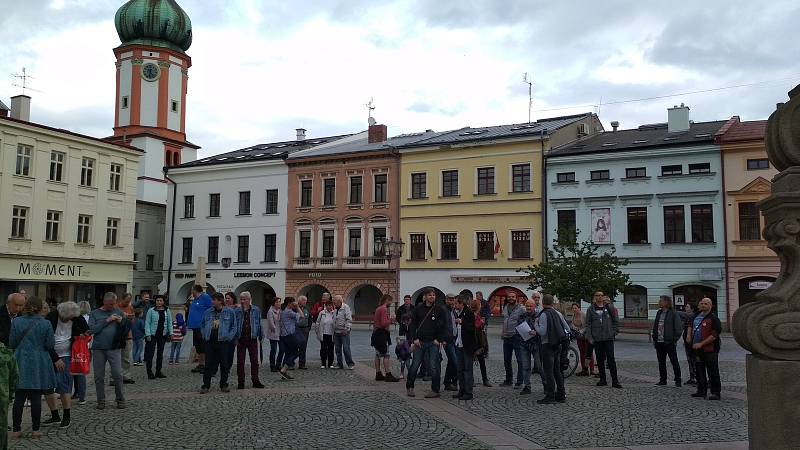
[(773, 396)]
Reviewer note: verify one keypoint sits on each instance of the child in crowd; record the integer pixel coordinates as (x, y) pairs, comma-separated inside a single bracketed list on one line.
[(178, 332), (137, 331)]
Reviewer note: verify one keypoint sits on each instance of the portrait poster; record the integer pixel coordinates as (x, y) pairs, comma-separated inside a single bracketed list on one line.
[(601, 225)]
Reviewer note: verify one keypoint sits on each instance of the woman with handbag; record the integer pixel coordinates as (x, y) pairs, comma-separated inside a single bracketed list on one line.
[(67, 324), (31, 337), (578, 326), (483, 342)]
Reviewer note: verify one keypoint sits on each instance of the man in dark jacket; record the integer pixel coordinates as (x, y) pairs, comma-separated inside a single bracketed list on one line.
[(602, 326), (403, 315), (465, 342), (14, 305), (428, 331), (667, 330), (705, 345)]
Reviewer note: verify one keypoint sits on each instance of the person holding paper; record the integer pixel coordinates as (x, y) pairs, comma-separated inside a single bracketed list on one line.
[(512, 341), (552, 328), (530, 345)]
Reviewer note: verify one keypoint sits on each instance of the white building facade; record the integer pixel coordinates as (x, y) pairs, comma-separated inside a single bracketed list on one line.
[(654, 195)]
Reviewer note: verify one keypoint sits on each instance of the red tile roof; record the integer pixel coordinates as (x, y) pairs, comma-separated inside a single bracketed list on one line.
[(753, 130)]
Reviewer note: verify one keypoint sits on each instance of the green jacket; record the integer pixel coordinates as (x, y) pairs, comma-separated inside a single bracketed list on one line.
[(8, 374)]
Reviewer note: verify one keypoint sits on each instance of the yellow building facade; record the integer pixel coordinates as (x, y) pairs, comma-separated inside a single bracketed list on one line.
[(471, 206)]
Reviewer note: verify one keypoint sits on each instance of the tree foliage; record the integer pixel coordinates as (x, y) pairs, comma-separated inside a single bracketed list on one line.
[(575, 270)]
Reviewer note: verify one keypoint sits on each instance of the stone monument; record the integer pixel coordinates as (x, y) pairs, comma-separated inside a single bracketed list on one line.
[(770, 326)]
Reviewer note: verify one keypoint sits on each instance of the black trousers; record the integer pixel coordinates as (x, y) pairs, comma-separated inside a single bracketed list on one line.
[(664, 349), (604, 352), (326, 350), (154, 346), (551, 371), (707, 367), (20, 395), (217, 356)]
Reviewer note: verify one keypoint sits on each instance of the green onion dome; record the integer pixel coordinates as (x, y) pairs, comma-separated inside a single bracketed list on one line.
[(160, 23)]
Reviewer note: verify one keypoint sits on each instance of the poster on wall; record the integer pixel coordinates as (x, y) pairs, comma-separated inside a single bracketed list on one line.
[(601, 225)]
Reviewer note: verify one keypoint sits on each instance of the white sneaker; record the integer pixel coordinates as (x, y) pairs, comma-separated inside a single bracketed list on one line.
[(323, 366), (351, 367)]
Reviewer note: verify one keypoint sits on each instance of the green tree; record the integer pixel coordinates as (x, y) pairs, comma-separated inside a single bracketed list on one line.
[(575, 270)]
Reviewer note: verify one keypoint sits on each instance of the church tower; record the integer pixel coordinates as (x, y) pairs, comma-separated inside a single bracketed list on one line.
[(152, 75)]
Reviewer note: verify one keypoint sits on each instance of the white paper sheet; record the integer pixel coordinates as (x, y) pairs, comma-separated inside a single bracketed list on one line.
[(524, 330)]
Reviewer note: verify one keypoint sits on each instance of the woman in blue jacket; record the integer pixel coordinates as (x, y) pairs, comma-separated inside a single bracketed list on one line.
[(157, 330)]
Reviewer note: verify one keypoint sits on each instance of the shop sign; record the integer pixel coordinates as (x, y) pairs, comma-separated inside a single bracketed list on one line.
[(253, 274), (759, 285), (51, 270), (315, 275), (188, 276), (64, 270), (487, 279)]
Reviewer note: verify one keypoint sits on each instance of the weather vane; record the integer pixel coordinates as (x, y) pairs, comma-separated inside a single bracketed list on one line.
[(370, 108)]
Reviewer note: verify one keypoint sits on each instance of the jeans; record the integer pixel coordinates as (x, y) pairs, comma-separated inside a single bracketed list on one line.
[(551, 371), (464, 368), (342, 344), (451, 371), (513, 345), (79, 381), (217, 356), (138, 350), (289, 347), (175, 351), (690, 361), (275, 354), (326, 350), (664, 349), (154, 346), (605, 354), (526, 365), (99, 360), (302, 347), (243, 347), (20, 395), (429, 353), (707, 366)]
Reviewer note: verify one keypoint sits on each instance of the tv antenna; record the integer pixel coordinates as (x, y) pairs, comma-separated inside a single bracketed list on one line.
[(529, 82), (24, 77), (370, 107)]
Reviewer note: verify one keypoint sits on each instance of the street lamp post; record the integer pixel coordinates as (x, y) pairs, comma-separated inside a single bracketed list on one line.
[(393, 249)]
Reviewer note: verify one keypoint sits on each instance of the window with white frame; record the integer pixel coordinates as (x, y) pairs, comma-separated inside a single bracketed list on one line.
[(485, 180), (188, 206), (87, 172), (378, 241), (52, 226), (304, 247), (270, 248), (19, 222), (244, 203), (356, 188), (84, 229), (112, 232), (213, 249), (450, 183), (57, 166), (243, 249), (417, 246), (485, 245), (521, 244), (329, 192), (521, 178), (186, 254), (354, 243), (381, 194), (115, 177), (449, 246), (272, 201), (24, 155), (419, 185), (328, 243)]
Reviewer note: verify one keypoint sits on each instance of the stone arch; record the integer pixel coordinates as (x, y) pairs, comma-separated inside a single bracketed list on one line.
[(416, 297), (185, 291), (363, 299), (262, 293), (498, 297)]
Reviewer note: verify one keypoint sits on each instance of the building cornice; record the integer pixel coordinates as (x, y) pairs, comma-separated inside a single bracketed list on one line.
[(640, 154)]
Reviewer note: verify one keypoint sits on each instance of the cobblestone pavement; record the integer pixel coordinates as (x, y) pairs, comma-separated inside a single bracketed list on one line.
[(346, 409)]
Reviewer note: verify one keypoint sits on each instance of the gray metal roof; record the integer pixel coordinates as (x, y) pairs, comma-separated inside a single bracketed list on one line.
[(646, 136), (3, 106), (359, 144)]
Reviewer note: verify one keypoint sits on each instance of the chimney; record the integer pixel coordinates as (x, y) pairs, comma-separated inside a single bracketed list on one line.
[(301, 134), (21, 108), (376, 133), (614, 125), (678, 119)]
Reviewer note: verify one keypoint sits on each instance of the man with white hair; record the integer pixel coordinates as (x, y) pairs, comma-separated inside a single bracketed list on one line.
[(106, 324), (67, 323), (250, 334), (343, 322), (13, 308)]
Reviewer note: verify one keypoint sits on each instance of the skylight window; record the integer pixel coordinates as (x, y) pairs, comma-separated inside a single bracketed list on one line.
[(640, 141), (609, 144), (472, 132), (703, 135)]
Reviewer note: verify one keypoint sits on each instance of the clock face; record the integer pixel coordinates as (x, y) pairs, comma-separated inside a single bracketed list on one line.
[(150, 71)]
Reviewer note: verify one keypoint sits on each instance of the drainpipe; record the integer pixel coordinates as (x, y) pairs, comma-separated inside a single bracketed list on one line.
[(544, 207), (172, 231), (725, 235)]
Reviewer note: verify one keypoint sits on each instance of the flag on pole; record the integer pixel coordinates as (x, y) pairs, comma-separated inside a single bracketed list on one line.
[(430, 250), (496, 244)]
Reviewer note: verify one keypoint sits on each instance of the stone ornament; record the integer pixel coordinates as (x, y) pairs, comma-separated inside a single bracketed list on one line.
[(770, 326)]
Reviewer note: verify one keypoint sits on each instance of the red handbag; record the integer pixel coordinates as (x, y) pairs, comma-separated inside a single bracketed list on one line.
[(81, 357)]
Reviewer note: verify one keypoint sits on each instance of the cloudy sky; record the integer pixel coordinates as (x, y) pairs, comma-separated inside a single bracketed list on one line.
[(262, 68)]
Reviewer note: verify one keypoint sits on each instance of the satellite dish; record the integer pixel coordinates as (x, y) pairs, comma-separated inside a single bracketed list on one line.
[(372, 121)]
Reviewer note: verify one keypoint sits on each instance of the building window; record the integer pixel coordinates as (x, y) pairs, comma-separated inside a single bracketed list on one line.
[(188, 206), (378, 235), (635, 300), (270, 248), (749, 222), (597, 175), (305, 193), (305, 244), (757, 164), (449, 250), (636, 172), (114, 177), (354, 243), (19, 219), (380, 188), (702, 223), (674, 225), (419, 185), (328, 243), (124, 102), (243, 253), (637, 225), (329, 192), (87, 172), (566, 223), (136, 230), (213, 205), (272, 202), (186, 257), (213, 249), (356, 186), (450, 183), (112, 232), (485, 244), (84, 229), (150, 262), (565, 177), (521, 178), (135, 261), (174, 106), (521, 244), (485, 180), (669, 171), (418, 247), (700, 168), (24, 154), (244, 203), (53, 226), (57, 166)]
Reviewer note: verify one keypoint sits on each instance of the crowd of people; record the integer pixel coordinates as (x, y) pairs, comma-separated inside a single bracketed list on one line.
[(51, 352)]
